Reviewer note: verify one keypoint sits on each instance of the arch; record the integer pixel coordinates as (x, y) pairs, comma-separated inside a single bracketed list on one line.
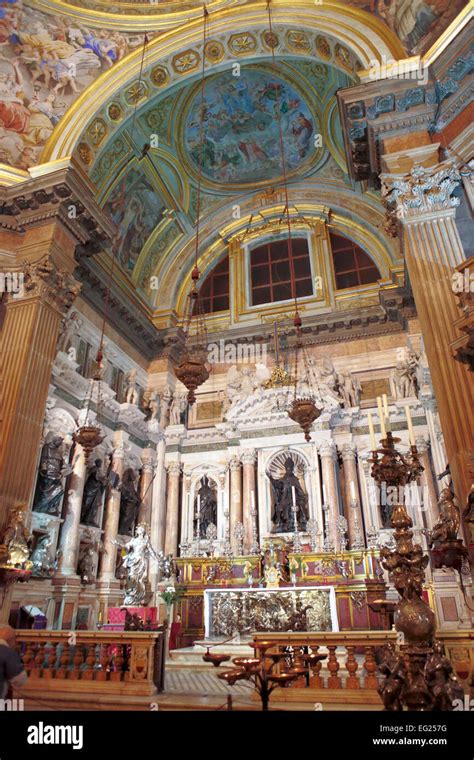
[(171, 56)]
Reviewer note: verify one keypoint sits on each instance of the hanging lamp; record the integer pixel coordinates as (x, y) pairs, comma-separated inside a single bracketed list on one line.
[(302, 409), (193, 369)]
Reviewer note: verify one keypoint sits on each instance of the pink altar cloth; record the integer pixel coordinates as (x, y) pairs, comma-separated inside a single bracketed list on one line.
[(116, 616)]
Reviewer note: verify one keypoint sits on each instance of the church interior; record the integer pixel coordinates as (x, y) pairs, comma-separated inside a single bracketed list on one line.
[(237, 342)]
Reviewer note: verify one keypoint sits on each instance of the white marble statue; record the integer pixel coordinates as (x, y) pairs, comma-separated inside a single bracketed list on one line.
[(403, 380), (349, 388), (178, 406), (151, 404), (131, 394), (139, 551), (69, 332)]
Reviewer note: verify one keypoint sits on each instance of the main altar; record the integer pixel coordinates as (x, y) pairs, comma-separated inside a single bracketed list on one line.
[(247, 610), (340, 587)]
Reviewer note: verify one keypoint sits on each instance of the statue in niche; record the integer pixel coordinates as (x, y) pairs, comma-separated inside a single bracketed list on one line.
[(16, 542), (207, 506), (52, 469), (349, 388), (93, 492), (129, 502), (177, 408), (131, 392), (282, 510), (43, 566), (85, 567)]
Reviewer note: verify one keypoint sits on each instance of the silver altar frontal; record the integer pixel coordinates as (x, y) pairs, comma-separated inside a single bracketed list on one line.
[(245, 610)]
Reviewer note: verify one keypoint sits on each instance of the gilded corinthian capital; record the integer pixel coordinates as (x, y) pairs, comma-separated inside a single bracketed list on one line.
[(423, 190)]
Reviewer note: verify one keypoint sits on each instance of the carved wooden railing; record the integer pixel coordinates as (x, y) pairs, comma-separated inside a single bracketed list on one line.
[(352, 663), (128, 662)]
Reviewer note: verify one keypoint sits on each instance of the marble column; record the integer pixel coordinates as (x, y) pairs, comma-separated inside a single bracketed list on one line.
[(348, 452), (172, 508), (158, 510), (248, 458), (236, 513), (430, 498), (327, 452), (111, 520), (148, 458), (69, 538), (421, 198)]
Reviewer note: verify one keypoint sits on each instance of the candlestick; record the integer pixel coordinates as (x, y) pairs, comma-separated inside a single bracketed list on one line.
[(411, 434), (372, 433), (381, 417)]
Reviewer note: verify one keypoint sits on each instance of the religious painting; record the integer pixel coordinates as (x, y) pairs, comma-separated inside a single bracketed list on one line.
[(136, 217), (241, 127), (45, 63), (417, 23)]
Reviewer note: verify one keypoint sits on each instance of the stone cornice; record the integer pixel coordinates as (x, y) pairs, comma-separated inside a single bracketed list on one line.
[(395, 102), (59, 191)]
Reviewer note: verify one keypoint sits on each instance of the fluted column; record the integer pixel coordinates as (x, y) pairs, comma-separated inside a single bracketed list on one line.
[(327, 451), (69, 539), (427, 483), (28, 339), (111, 519), (148, 458), (236, 513), (172, 508), (248, 457), (422, 200), (353, 508)]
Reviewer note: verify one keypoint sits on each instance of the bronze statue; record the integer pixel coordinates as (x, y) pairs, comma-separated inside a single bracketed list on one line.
[(282, 511), (447, 527), (93, 493), (207, 506), (129, 502), (16, 541), (393, 669), (52, 469), (441, 679)]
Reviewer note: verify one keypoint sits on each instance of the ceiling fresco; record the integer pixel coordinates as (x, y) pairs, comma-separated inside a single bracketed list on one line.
[(45, 63), (240, 117), (417, 23)]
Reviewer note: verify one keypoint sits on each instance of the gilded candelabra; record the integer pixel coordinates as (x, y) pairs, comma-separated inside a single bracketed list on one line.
[(407, 683)]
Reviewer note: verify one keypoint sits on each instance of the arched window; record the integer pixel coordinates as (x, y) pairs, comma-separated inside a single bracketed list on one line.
[(214, 292), (270, 271), (352, 265)]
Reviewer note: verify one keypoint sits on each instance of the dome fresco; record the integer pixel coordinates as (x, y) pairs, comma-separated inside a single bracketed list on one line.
[(241, 140)]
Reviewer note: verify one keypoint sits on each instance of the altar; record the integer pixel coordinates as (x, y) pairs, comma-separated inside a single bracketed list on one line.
[(245, 610)]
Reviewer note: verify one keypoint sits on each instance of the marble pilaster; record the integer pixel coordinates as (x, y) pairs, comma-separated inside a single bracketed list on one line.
[(172, 508), (353, 507), (236, 514), (248, 458)]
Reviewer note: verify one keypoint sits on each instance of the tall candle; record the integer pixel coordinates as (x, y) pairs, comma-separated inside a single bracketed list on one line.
[(372, 433), (385, 404), (381, 418), (293, 495), (353, 491), (411, 434)]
